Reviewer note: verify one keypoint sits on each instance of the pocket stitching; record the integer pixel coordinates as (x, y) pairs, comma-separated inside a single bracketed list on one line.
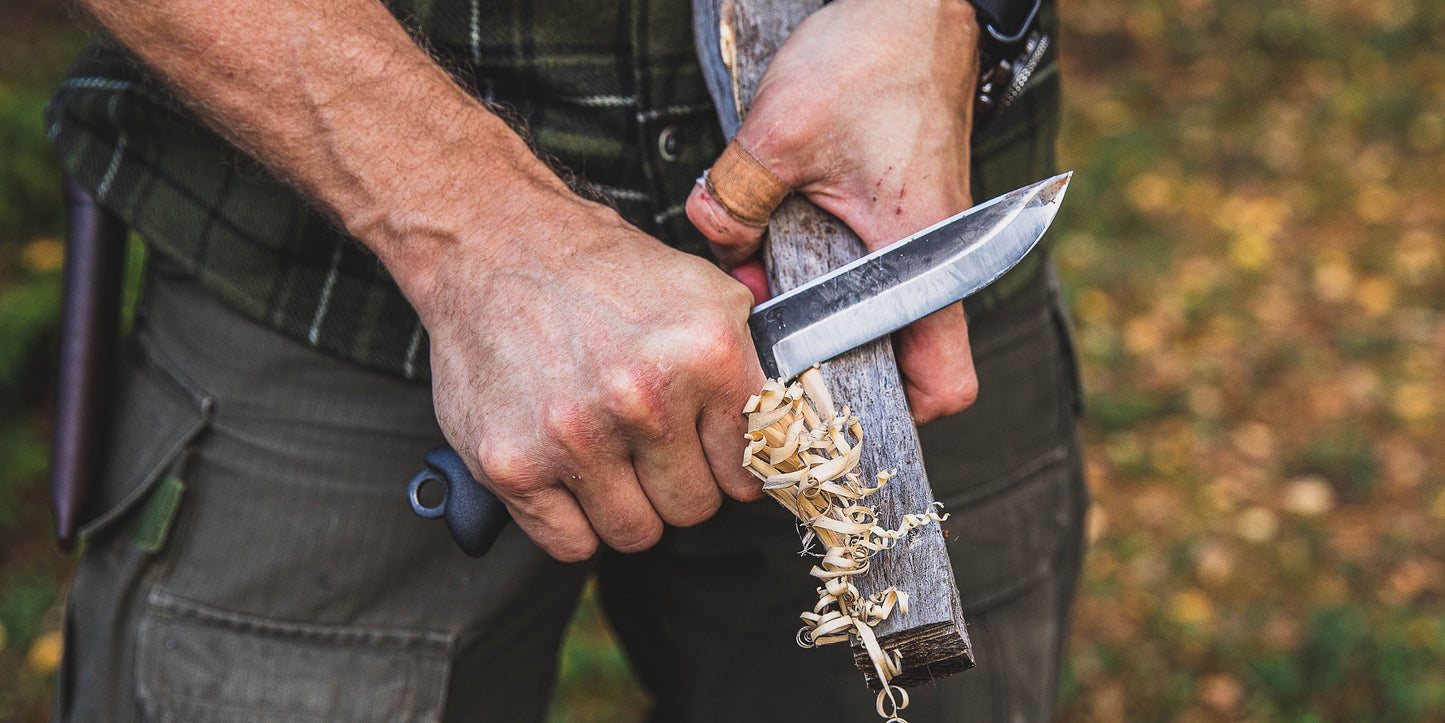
[(174, 606), (163, 606)]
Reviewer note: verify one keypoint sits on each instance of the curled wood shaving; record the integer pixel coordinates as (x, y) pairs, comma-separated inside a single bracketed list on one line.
[(798, 445)]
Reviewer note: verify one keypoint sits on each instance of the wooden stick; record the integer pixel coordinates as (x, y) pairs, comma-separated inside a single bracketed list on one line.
[(806, 242)]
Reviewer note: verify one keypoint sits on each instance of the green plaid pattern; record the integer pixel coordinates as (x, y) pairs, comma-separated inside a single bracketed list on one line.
[(608, 89)]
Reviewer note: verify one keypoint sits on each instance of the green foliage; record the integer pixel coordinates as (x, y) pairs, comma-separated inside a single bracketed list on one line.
[(1345, 456), (29, 179), (23, 602), (29, 312), (1355, 666), (1128, 410), (24, 457), (594, 681)]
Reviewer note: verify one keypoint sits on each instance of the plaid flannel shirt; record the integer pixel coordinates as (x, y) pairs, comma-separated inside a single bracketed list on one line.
[(610, 89)]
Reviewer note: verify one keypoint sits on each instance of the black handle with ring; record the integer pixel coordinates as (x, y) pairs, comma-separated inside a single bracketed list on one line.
[(473, 514)]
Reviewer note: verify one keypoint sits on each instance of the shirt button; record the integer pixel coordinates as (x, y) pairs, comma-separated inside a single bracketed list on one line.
[(667, 144)]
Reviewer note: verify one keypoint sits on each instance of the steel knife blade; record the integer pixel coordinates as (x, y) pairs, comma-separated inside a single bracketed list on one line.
[(902, 282), (855, 304)]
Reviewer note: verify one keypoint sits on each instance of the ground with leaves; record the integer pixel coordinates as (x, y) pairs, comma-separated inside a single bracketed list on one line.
[(1253, 254)]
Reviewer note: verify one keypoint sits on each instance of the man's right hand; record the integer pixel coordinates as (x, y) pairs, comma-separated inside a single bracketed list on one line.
[(589, 375), (592, 378)]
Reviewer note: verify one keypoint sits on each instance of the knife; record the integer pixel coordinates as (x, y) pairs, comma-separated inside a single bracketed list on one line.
[(852, 305)]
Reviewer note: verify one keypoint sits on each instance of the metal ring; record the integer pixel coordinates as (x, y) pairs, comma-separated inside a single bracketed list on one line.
[(1023, 29), (414, 489)]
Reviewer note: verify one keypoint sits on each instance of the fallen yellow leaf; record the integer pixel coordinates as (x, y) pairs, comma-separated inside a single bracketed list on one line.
[(1417, 256), (1094, 306), (1437, 506), (1191, 607), (1254, 440), (1257, 524), (1251, 249), (1309, 496), (1149, 192), (43, 255), (44, 655), (1142, 336), (1413, 402), (1214, 565), (1098, 524), (1375, 295), (1334, 279), (1377, 204)]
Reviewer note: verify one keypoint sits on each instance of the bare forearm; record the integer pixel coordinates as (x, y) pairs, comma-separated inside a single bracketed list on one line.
[(337, 99)]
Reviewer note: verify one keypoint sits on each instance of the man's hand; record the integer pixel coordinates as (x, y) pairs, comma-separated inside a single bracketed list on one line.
[(867, 110), (587, 374), (593, 379)]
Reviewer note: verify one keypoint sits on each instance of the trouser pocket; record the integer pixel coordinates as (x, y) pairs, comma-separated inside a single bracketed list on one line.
[(159, 415), (199, 663)]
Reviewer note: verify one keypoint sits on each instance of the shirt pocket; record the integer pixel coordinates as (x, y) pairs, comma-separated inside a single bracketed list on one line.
[(199, 663)]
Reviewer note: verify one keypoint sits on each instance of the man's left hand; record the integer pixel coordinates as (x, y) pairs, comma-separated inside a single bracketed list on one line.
[(867, 110)]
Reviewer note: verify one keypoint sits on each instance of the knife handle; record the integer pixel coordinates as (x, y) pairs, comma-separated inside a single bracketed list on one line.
[(473, 514)]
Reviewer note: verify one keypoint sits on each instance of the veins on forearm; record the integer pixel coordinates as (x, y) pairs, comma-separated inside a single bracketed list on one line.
[(340, 102)]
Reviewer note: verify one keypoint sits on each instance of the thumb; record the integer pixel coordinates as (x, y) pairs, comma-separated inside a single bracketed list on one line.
[(731, 240), (732, 201)]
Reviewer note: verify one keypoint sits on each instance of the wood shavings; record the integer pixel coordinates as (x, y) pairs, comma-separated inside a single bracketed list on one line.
[(799, 445)]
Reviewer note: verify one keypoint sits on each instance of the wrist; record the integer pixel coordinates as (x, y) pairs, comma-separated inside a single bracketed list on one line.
[(471, 193)]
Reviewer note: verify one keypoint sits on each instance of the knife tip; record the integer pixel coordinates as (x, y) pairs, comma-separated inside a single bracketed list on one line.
[(1051, 190)]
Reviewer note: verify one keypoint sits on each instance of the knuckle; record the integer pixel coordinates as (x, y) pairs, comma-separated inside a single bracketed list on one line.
[(696, 511), (509, 467), (788, 138), (948, 402), (740, 297), (634, 400), (968, 396), (964, 394), (713, 340), (551, 518), (699, 271), (568, 425), (743, 488), (503, 463), (636, 536), (574, 549)]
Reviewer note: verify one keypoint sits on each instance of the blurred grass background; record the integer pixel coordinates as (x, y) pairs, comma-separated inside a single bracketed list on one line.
[(1253, 253)]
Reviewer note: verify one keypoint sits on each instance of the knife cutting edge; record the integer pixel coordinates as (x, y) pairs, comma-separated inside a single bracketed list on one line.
[(852, 305)]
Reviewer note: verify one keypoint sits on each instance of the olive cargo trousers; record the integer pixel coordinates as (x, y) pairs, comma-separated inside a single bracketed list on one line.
[(256, 560)]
